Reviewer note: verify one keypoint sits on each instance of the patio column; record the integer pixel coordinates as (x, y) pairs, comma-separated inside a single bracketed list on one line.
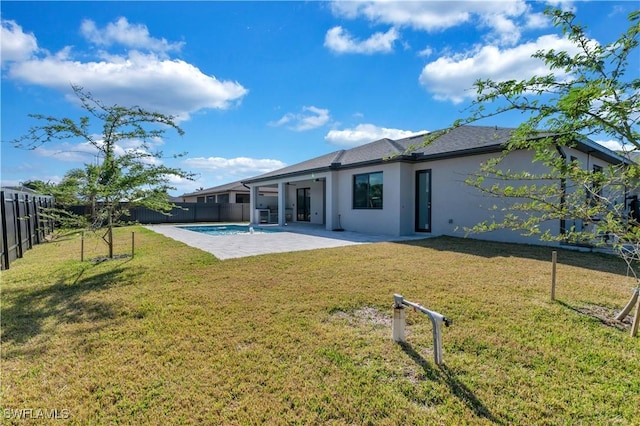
[(253, 203), (331, 201), (282, 203)]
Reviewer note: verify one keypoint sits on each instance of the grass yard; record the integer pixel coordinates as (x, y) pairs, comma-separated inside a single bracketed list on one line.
[(175, 336)]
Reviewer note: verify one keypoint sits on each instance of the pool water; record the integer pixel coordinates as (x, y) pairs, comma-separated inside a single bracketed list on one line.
[(229, 229)]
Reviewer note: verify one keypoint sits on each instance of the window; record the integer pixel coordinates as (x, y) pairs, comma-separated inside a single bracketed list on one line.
[(200, 200), (223, 198), (211, 199), (367, 191), (242, 198)]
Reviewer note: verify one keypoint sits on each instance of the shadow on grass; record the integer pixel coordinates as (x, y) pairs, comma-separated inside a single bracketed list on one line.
[(601, 314), (589, 260), (459, 389), (28, 313)]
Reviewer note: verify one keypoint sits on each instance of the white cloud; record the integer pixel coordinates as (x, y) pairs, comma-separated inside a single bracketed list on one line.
[(85, 152), (611, 144), (239, 166), (566, 5), (452, 77), (428, 16), (311, 117), (169, 86), (365, 133), (339, 40), (15, 45), (427, 51), (183, 185), (615, 145), (67, 152), (432, 16), (149, 80), (134, 36)]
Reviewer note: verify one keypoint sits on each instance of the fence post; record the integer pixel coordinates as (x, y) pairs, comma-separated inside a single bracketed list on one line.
[(554, 259), (18, 226), (5, 231), (27, 221)]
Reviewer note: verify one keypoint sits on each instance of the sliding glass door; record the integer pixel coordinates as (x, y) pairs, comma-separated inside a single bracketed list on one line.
[(303, 204)]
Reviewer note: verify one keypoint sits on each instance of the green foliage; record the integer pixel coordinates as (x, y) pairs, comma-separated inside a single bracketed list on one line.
[(121, 177), (589, 93)]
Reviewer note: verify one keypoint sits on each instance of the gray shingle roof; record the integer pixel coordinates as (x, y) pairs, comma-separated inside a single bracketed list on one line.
[(233, 186), (461, 141)]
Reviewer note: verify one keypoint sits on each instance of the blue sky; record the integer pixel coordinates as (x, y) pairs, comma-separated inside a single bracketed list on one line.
[(260, 85)]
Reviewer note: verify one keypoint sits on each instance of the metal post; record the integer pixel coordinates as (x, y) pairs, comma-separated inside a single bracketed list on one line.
[(399, 320), (436, 322), (133, 244)]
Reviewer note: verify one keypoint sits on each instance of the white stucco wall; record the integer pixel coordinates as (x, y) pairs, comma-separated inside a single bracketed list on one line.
[(376, 221), (454, 204), (457, 206)]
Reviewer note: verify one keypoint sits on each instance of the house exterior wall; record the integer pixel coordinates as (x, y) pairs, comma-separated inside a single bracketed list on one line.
[(455, 206), (317, 194), (407, 200), (379, 221), (588, 162), (207, 197)]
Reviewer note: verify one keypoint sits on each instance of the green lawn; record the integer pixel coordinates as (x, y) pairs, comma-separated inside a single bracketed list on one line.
[(175, 336)]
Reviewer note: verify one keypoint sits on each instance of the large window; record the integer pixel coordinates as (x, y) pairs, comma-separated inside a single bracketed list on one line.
[(367, 191)]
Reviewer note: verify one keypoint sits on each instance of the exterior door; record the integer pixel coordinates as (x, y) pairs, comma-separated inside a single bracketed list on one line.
[(423, 201), (303, 204)]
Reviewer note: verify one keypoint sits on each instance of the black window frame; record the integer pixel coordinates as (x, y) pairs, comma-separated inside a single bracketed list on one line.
[(369, 200), (243, 198)]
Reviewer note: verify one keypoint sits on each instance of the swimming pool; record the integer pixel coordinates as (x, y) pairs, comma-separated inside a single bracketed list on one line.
[(229, 229)]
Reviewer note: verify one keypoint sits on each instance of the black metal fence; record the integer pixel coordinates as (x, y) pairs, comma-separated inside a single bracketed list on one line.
[(23, 222)]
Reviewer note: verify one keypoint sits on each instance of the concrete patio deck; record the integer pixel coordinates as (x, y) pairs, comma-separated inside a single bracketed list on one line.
[(289, 238)]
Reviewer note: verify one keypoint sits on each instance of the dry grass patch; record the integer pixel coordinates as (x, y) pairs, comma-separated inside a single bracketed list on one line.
[(175, 336)]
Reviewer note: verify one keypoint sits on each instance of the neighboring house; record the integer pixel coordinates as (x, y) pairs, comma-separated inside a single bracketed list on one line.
[(234, 192), (381, 188)]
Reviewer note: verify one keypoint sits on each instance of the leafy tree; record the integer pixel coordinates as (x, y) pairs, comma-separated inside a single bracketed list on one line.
[(592, 91), (64, 194), (122, 177)]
